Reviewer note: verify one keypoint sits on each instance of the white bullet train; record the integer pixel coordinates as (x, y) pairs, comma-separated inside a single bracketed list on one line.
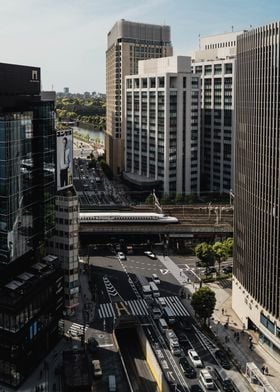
[(125, 217)]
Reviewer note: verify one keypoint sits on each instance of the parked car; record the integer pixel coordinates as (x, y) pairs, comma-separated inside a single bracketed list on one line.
[(121, 256), (196, 361), (227, 269), (222, 358), (188, 370), (210, 270), (150, 254), (196, 388), (206, 379)]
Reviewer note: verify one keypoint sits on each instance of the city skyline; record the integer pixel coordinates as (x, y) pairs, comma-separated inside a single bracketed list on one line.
[(68, 39)]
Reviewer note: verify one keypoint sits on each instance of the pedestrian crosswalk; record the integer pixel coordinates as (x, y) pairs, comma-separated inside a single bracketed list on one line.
[(176, 307), (139, 307), (72, 329), (106, 311)]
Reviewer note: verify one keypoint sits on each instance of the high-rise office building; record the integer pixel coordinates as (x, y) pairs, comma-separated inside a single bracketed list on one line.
[(162, 132), (256, 283), (127, 43), (31, 285), (215, 62)]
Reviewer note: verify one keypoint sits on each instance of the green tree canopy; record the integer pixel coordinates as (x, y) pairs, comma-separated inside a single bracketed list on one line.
[(149, 199), (203, 303), (221, 252), (228, 243), (204, 252)]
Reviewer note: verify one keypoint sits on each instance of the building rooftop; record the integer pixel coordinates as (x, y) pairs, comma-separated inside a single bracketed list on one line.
[(127, 30), (13, 291), (75, 370), (171, 64)]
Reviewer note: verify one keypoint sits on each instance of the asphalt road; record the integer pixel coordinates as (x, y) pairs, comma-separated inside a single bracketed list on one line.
[(122, 276)]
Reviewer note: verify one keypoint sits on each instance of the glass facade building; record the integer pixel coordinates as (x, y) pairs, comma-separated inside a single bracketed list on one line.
[(27, 177), (31, 283)]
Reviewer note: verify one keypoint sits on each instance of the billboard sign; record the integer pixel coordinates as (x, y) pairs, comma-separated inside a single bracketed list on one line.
[(64, 159)]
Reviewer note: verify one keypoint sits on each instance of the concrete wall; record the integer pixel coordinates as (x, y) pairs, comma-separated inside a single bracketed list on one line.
[(152, 361)]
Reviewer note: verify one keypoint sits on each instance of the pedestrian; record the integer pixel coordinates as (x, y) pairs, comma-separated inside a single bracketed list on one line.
[(263, 369), (237, 336), (266, 371), (223, 310), (234, 335)]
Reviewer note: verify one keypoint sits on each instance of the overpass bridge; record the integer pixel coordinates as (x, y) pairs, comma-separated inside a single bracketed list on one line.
[(195, 223)]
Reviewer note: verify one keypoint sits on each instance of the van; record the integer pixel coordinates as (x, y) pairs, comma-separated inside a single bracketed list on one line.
[(155, 290), (112, 385), (162, 325), (206, 379), (169, 315), (226, 382), (97, 371)]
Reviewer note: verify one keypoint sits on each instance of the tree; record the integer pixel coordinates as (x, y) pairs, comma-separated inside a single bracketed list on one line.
[(221, 252), (228, 242), (149, 199), (203, 303), (178, 198), (204, 252)]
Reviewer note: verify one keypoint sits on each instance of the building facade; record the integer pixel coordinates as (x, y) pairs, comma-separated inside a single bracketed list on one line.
[(162, 129), (215, 63), (256, 283), (31, 298), (127, 43), (64, 244)]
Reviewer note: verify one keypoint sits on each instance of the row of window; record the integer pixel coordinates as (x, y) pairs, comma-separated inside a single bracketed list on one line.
[(218, 45)]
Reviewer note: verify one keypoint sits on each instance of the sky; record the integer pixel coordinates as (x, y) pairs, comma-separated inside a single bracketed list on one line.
[(68, 38)]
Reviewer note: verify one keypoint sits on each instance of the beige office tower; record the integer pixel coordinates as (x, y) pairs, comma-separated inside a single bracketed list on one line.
[(127, 43)]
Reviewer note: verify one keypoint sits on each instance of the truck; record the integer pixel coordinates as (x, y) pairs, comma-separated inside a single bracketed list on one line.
[(145, 287), (173, 342)]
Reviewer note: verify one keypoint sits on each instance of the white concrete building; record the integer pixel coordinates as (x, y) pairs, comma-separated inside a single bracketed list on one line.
[(215, 63), (162, 133)]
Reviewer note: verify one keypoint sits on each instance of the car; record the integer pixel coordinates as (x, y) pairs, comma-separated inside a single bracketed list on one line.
[(227, 269), (161, 301), (210, 270), (150, 254), (196, 388), (97, 371), (155, 278), (222, 358), (206, 379), (196, 361), (121, 256), (188, 370)]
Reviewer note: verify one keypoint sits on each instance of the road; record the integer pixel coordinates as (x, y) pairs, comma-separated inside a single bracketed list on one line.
[(123, 277)]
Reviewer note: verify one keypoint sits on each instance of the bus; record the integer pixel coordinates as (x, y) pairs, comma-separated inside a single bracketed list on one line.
[(154, 289)]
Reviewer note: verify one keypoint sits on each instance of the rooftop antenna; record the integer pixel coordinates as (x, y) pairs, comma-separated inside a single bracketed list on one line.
[(199, 41), (232, 28)]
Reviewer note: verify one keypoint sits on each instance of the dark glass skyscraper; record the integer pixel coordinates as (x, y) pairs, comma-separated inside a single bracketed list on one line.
[(256, 285), (27, 162), (31, 288)]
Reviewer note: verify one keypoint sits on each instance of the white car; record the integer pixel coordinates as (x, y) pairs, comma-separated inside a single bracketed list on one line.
[(206, 379), (121, 256), (196, 361), (150, 254), (156, 279), (161, 301)]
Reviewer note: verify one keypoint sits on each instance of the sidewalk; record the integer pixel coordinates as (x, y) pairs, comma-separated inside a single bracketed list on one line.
[(240, 350)]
